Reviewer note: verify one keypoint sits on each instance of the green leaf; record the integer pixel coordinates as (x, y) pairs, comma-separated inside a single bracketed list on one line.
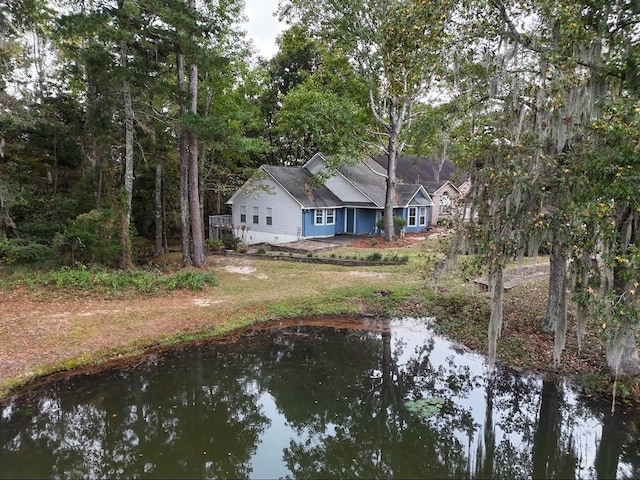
[(424, 407)]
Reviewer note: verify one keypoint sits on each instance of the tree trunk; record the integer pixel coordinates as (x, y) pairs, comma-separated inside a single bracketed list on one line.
[(158, 211), (486, 457), (610, 449), (197, 231), (557, 290), (546, 440), (622, 351), (125, 241), (184, 172), (496, 288), (392, 155)]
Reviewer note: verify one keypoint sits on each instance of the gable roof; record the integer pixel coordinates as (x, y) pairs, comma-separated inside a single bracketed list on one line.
[(407, 193), (295, 180), (368, 177), (423, 171)]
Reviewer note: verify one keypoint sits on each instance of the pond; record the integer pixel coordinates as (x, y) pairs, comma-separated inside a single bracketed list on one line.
[(327, 398)]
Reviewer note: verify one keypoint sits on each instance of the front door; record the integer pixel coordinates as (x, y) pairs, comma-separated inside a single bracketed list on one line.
[(351, 220)]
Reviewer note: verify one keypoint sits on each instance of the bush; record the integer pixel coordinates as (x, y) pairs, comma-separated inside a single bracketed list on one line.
[(93, 237), (23, 251), (374, 257), (230, 242), (444, 223), (214, 244), (399, 222), (121, 281), (190, 280)]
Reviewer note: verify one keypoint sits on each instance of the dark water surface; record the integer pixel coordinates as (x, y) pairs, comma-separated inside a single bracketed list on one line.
[(315, 401)]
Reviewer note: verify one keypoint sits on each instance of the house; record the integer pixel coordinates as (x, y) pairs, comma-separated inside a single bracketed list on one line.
[(437, 177), (282, 204)]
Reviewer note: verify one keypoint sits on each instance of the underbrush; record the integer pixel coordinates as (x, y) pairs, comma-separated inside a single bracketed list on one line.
[(113, 282)]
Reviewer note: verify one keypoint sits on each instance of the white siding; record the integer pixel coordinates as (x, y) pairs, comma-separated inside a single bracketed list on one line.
[(287, 214), (315, 163)]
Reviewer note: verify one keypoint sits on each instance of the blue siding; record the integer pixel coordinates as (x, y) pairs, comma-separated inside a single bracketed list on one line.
[(415, 229), (311, 230), (365, 221)]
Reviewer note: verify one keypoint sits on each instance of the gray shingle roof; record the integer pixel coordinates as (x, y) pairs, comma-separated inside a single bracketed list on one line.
[(423, 171), (295, 180), (369, 178), (405, 193), (368, 175)]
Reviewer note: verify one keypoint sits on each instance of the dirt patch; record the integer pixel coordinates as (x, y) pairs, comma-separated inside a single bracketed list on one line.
[(34, 332)]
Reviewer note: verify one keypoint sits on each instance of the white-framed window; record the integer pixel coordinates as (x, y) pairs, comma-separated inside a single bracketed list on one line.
[(243, 214), (330, 216), (324, 216), (413, 217), (422, 216), (256, 213), (445, 203), (269, 216)]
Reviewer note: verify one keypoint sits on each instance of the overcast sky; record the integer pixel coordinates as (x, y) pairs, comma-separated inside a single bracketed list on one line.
[(263, 27)]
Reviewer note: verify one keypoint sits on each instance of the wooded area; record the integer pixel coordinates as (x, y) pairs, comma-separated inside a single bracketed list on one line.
[(124, 123)]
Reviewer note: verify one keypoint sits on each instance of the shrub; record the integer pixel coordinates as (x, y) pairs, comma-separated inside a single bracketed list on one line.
[(444, 223), (141, 249), (374, 257), (230, 241), (261, 251), (214, 244), (190, 280), (399, 222), (85, 278), (23, 251), (93, 237)]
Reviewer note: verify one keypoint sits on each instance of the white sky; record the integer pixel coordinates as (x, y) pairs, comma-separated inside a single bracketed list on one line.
[(263, 27)]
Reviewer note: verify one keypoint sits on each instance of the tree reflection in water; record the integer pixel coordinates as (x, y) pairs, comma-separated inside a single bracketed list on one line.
[(314, 401)]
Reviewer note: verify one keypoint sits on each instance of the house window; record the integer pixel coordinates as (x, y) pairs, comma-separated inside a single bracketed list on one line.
[(324, 216), (256, 212), (243, 214), (422, 216), (330, 217), (413, 217), (445, 204), (269, 216)]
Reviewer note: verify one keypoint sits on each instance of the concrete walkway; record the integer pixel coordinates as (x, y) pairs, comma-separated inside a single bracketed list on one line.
[(316, 244), (514, 277)]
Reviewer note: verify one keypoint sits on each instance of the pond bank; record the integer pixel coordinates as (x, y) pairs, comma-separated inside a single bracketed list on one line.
[(60, 333)]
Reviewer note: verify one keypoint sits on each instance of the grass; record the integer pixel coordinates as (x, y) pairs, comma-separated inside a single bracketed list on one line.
[(114, 282), (272, 290), (247, 290)]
